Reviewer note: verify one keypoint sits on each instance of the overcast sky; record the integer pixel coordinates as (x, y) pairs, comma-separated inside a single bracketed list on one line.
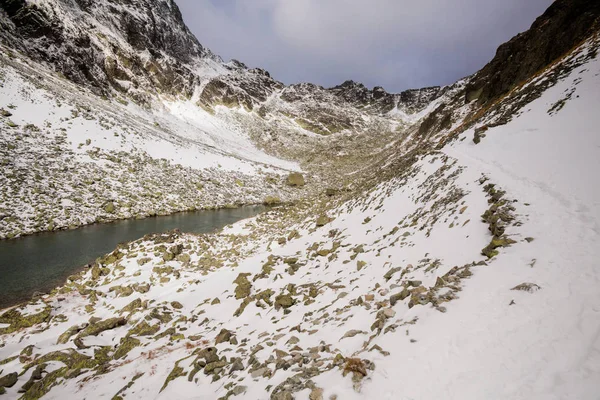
[(397, 44)]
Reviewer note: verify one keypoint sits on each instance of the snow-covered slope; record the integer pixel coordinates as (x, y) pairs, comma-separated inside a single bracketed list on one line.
[(458, 270), (70, 158)]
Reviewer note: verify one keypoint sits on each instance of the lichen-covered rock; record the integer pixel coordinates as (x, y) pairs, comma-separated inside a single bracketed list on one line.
[(127, 344), (94, 329), (295, 179), (9, 380), (284, 301), (322, 220), (243, 287), (18, 321)]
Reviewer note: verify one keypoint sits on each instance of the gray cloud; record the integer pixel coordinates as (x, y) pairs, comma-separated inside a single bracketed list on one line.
[(396, 44)]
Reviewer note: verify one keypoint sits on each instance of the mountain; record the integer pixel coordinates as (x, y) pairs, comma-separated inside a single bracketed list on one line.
[(444, 244)]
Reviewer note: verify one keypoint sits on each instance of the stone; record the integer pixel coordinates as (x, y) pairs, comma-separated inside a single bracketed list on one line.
[(284, 301), (176, 305), (352, 333), (295, 179), (239, 389), (257, 373), (98, 327), (243, 287), (389, 313), (324, 252), (527, 287), (9, 380), (282, 396), (144, 329), (211, 367), (237, 365), (322, 220), (388, 275), (109, 208), (209, 354), (223, 336), (399, 296), (316, 394)]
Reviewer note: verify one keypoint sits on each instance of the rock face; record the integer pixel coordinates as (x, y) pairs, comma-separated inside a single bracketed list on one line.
[(565, 24), (125, 46)]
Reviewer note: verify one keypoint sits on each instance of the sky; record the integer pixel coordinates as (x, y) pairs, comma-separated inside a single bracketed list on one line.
[(397, 44)]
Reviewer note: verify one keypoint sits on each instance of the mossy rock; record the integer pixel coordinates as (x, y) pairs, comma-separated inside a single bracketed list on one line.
[(243, 287), (322, 220), (127, 344), (284, 301), (101, 326), (144, 329), (109, 208), (271, 201), (295, 179), (18, 321)]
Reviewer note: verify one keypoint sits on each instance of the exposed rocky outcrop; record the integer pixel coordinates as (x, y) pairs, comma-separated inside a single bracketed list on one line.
[(564, 25)]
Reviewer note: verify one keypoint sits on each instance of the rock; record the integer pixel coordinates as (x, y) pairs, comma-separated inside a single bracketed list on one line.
[(176, 305), (388, 275), (209, 355), (293, 340), (316, 394), (239, 389), (9, 380), (134, 305), (64, 338), (415, 283), (243, 287), (223, 336), (211, 367), (237, 365), (322, 220), (282, 396), (352, 333), (144, 329), (389, 313), (257, 373), (369, 297), (360, 265), (109, 208), (355, 365), (96, 328), (295, 179), (399, 296), (127, 344), (324, 252), (527, 287), (184, 258), (271, 201), (479, 134), (284, 301)]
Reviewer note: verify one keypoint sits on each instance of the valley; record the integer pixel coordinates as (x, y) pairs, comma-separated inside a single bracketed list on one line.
[(434, 243)]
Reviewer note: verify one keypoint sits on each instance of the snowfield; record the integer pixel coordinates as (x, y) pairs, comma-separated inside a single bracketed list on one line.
[(472, 274)]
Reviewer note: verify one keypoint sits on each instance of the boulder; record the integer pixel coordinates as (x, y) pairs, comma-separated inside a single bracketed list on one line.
[(295, 179)]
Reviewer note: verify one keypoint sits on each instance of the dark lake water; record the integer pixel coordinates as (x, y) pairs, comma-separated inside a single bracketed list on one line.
[(39, 263)]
